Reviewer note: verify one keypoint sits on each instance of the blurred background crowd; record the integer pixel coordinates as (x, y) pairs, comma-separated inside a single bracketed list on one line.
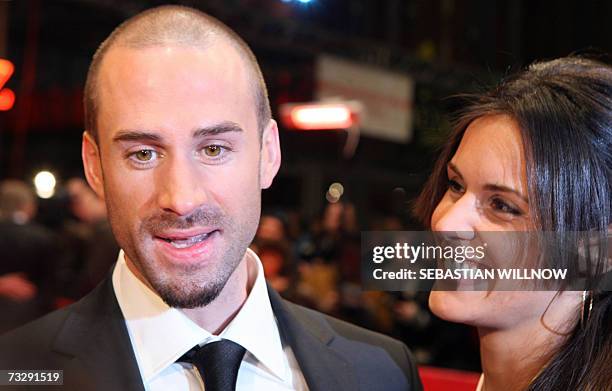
[(405, 56), (52, 260)]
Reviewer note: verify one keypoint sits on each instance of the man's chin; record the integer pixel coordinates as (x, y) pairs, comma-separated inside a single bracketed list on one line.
[(191, 284), (185, 297)]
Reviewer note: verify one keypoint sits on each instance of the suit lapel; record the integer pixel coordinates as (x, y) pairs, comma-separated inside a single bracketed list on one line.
[(323, 368), (96, 336)]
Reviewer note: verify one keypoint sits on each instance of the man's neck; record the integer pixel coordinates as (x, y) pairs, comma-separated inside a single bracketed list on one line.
[(219, 313), (215, 316)]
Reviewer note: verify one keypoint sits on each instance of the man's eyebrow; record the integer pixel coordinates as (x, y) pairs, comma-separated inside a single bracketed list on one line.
[(144, 136), (220, 128), (136, 136)]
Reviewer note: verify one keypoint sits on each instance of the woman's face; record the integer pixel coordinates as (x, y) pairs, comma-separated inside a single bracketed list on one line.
[(487, 191), (487, 186)]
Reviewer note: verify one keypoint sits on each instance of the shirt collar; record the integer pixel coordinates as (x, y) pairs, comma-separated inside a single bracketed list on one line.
[(161, 334)]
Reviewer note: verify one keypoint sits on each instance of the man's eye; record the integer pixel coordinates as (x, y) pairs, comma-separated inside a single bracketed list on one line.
[(145, 155), (213, 150)]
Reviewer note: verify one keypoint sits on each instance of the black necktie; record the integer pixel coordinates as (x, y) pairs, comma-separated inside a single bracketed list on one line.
[(218, 363)]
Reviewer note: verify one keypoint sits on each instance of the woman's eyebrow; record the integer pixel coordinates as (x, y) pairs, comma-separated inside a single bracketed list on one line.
[(491, 186), (505, 189), (454, 168)]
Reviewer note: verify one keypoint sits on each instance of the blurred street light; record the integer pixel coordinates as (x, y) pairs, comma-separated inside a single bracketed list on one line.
[(45, 183), (7, 96)]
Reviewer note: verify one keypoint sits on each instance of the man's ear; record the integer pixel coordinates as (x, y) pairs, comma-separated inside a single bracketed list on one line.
[(92, 164), (270, 154)]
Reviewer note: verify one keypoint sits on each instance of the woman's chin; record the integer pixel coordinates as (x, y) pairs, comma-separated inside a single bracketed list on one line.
[(457, 306)]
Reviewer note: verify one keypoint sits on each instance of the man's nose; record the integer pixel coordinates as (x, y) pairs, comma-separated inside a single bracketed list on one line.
[(182, 186), (458, 217)]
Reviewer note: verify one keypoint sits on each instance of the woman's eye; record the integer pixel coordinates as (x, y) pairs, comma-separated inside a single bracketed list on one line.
[(501, 206), (454, 186), (145, 155)]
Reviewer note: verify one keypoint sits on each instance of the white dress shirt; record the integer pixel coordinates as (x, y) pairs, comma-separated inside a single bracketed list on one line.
[(161, 334), (480, 383)]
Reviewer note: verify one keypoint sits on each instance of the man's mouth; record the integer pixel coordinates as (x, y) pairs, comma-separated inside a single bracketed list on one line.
[(185, 241)]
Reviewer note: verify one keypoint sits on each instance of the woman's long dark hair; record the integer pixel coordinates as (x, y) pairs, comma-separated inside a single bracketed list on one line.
[(564, 111)]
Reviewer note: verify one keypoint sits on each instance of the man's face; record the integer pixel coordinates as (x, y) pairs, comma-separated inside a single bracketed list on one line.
[(180, 166)]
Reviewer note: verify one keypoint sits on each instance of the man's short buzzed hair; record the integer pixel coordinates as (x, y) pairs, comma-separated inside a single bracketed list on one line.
[(173, 25)]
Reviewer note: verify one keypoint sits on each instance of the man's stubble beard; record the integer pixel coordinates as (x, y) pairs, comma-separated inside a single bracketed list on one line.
[(186, 289)]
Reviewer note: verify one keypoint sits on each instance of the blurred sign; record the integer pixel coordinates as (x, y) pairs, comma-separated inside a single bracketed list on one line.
[(320, 115), (7, 97), (386, 96), (325, 116)]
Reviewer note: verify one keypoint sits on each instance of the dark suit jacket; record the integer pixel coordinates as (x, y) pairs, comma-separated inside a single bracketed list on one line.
[(33, 250), (90, 343)]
